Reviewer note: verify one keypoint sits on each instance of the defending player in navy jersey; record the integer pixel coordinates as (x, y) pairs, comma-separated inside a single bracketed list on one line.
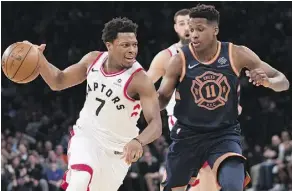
[(157, 69), (205, 75)]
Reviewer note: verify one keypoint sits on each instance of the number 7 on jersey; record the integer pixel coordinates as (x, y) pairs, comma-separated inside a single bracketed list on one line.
[(102, 102)]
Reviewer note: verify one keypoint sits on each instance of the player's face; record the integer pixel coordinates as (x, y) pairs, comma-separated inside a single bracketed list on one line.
[(202, 32), (181, 27), (124, 49)]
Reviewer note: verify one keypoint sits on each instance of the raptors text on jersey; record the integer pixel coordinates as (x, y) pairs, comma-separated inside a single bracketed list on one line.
[(109, 115)]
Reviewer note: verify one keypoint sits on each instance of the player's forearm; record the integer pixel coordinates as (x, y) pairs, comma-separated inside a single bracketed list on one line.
[(163, 101), (279, 83), (51, 75), (152, 132)]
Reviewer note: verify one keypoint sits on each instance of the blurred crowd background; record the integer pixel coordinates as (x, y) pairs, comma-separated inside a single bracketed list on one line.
[(35, 121)]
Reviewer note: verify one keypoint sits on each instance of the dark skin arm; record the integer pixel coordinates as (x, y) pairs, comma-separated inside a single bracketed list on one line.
[(260, 73), (71, 76), (143, 86), (62, 79), (170, 79)]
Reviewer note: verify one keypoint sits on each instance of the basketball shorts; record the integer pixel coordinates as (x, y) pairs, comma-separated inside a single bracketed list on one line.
[(190, 151), (106, 167)]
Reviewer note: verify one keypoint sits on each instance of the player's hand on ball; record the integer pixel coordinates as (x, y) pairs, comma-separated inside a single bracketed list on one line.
[(258, 77), (132, 151), (41, 47)]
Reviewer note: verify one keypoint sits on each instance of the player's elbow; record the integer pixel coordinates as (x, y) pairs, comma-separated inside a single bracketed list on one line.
[(163, 100), (57, 85), (53, 88)]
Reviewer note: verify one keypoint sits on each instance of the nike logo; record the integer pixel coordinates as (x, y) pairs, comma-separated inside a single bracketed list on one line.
[(93, 70), (191, 67)]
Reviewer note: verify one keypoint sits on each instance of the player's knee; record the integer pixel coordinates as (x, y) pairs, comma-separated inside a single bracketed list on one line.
[(79, 181), (231, 175), (232, 186)]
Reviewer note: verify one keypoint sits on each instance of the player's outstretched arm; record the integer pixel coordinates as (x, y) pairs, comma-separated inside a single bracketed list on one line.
[(157, 66), (150, 106), (170, 79), (260, 73), (61, 79), (73, 75)]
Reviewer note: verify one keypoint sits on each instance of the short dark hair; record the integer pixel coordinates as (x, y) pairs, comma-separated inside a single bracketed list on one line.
[(117, 25), (181, 12), (208, 12)]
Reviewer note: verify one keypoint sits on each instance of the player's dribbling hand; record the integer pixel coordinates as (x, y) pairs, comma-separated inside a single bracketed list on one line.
[(41, 47), (258, 77), (132, 151)]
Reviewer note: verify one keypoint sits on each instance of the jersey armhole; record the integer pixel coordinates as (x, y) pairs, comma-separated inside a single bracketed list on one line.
[(230, 50), (127, 84), (170, 53), (93, 63), (183, 72)]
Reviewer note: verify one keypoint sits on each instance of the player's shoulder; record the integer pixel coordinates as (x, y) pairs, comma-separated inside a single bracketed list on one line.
[(91, 57), (168, 52), (140, 82), (172, 50), (243, 56), (239, 49), (164, 54), (160, 59), (242, 52), (93, 54), (139, 75)]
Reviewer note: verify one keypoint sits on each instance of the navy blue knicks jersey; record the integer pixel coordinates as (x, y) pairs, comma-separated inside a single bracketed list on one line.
[(207, 97)]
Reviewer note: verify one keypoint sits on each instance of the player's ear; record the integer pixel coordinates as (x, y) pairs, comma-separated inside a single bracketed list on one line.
[(175, 28), (108, 46), (216, 30)]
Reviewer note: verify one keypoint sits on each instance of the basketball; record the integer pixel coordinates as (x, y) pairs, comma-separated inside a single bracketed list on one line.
[(20, 62)]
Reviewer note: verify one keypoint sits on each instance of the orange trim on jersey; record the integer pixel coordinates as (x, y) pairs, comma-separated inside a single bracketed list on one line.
[(247, 179), (169, 52), (210, 61), (94, 62), (230, 48), (127, 84), (183, 72), (111, 74)]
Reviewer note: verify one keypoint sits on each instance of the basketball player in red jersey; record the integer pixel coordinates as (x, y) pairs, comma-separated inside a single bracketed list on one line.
[(205, 76), (157, 70), (117, 90)]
